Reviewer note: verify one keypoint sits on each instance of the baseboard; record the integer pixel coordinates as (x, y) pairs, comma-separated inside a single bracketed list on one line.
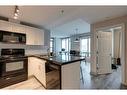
[(125, 84), (93, 73), (31, 76)]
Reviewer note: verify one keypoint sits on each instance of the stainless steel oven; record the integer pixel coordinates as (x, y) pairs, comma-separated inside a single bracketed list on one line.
[(13, 66)]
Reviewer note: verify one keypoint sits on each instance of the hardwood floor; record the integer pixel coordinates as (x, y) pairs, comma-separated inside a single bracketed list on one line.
[(109, 81), (30, 84)]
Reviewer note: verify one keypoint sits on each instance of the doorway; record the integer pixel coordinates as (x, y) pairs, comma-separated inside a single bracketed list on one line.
[(104, 51), (110, 52)]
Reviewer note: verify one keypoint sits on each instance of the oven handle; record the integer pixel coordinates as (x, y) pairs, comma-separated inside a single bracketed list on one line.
[(15, 60), (7, 78)]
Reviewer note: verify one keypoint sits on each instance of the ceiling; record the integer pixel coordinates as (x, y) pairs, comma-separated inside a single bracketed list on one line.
[(77, 26), (53, 17)]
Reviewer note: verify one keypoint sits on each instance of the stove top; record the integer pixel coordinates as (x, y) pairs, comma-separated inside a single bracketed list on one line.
[(10, 57)]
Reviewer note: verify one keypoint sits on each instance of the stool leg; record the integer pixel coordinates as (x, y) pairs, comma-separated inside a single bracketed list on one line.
[(81, 73)]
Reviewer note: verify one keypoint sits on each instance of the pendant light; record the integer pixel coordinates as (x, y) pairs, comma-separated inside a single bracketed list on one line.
[(76, 37)]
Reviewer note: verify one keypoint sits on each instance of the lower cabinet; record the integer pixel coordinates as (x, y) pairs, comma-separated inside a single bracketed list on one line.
[(36, 67), (71, 76), (30, 66), (11, 80)]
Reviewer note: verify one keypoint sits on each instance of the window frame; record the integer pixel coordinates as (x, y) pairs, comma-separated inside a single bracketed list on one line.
[(67, 40), (52, 46)]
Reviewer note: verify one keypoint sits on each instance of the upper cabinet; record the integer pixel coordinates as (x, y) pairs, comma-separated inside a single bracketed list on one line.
[(4, 25), (18, 28), (30, 36), (40, 34), (34, 36)]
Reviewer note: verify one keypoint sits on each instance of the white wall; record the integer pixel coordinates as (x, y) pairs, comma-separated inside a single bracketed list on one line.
[(117, 43)]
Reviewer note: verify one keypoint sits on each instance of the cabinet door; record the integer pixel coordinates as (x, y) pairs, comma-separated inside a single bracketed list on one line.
[(41, 75), (5, 26), (39, 40), (30, 66), (18, 28), (36, 67), (30, 36), (34, 36)]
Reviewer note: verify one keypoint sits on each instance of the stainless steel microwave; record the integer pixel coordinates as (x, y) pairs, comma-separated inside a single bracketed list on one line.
[(11, 37)]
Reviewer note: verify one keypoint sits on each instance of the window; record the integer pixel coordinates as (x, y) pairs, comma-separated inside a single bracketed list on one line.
[(51, 44), (85, 46), (65, 44)]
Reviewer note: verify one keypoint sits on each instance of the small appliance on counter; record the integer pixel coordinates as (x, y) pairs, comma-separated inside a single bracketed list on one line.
[(13, 66)]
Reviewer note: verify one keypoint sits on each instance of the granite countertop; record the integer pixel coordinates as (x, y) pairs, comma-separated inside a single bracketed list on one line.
[(60, 59)]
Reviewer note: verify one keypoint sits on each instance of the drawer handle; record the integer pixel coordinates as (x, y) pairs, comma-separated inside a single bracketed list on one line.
[(8, 78)]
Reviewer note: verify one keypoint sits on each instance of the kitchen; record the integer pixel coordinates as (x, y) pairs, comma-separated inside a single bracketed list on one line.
[(59, 49), (24, 54), (40, 47)]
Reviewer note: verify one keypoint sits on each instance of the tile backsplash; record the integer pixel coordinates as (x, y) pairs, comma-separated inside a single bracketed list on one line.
[(29, 49)]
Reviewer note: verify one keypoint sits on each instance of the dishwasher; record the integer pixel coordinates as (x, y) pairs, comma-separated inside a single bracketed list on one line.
[(52, 76)]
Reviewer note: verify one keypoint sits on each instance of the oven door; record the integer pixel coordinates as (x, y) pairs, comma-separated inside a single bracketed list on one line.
[(15, 67)]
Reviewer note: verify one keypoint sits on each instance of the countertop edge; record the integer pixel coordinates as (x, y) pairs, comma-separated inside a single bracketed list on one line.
[(55, 62)]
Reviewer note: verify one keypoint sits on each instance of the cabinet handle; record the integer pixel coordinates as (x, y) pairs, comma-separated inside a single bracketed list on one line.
[(7, 78)]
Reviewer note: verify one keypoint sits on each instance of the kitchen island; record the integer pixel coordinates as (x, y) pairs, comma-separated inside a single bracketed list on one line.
[(59, 72)]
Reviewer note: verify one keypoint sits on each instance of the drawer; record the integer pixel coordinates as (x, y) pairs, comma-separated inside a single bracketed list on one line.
[(10, 80)]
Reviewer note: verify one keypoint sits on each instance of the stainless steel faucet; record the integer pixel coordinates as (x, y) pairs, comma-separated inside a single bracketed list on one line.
[(48, 52)]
